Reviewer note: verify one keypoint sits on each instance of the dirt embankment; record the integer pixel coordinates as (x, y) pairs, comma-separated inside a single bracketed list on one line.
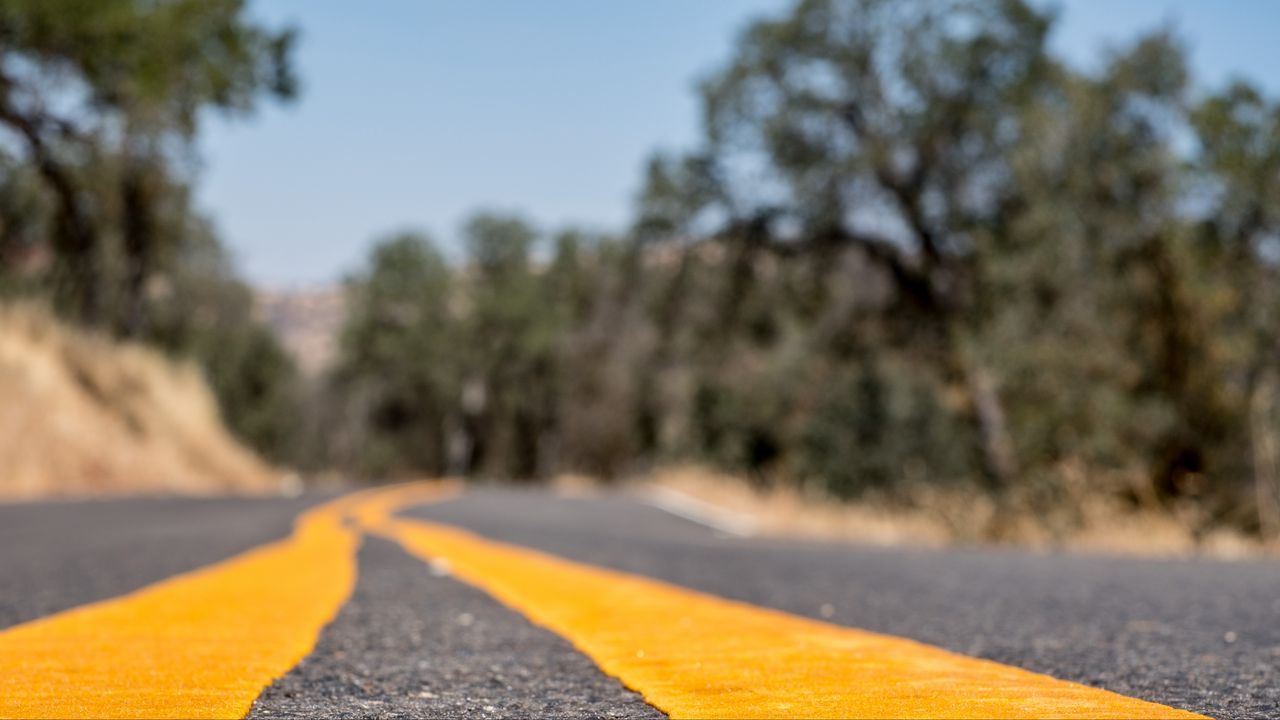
[(83, 415)]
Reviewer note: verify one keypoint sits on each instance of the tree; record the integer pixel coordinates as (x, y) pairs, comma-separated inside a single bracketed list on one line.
[(912, 247), (399, 367), (129, 79), (203, 313), (1239, 232), (884, 127), (510, 334)]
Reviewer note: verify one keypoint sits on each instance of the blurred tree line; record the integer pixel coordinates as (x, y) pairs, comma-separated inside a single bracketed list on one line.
[(913, 247), (100, 104)]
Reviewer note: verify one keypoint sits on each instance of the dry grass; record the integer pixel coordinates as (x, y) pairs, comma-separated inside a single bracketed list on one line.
[(789, 512), (937, 517), (82, 415)]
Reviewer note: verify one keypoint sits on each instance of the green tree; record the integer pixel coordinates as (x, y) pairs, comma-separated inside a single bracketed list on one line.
[(883, 127), (1238, 168), (399, 364), (205, 314), (126, 79), (24, 223), (511, 340)]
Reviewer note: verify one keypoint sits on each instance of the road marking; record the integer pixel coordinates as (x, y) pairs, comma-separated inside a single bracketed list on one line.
[(690, 508), (694, 655), (203, 644)]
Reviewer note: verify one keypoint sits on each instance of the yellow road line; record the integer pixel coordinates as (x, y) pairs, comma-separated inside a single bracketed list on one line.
[(698, 656), (199, 645)]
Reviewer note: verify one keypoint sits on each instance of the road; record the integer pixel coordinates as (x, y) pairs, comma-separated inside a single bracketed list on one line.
[(415, 640)]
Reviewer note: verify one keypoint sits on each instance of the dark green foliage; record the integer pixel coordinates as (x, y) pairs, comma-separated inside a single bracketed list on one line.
[(493, 369), (256, 384), (738, 427), (204, 314), (872, 432), (510, 333), (399, 364), (848, 440)]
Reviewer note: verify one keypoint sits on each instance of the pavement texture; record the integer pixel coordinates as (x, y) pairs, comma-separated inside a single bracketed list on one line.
[(1195, 634), (412, 643), (56, 556)]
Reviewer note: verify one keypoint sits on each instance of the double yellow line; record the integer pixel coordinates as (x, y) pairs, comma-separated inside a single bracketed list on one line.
[(206, 643), (199, 645)]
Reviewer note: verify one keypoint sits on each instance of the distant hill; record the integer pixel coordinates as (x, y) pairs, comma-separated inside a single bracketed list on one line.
[(306, 321)]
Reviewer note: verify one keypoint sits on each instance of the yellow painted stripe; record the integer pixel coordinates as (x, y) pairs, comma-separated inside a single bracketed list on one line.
[(697, 656), (376, 506), (199, 645)]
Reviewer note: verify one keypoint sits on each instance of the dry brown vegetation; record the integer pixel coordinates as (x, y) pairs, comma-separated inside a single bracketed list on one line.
[(84, 415), (934, 517)]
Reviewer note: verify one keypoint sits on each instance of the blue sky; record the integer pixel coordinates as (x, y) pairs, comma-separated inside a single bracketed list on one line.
[(416, 112)]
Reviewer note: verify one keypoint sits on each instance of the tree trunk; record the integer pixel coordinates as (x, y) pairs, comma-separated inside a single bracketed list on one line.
[(1266, 456), (998, 457), (475, 410), (78, 283), (137, 200)]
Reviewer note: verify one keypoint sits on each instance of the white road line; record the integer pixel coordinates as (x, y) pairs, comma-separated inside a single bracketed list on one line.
[(690, 508)]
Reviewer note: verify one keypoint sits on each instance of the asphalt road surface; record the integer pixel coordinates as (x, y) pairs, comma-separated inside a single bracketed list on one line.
[(1194, 634)]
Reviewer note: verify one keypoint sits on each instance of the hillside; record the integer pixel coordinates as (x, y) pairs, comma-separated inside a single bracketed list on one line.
[(306, 321), (86, 416)]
